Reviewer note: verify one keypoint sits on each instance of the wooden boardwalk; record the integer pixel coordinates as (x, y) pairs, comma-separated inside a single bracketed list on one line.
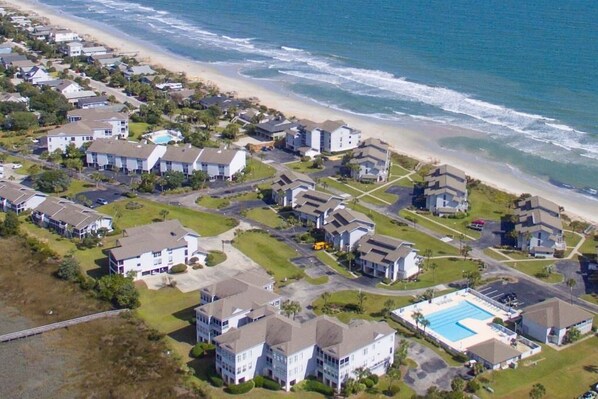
[(61, 324)]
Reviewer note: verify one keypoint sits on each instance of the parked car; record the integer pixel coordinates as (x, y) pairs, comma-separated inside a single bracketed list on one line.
[(17, 165), (589, 395), (102, 201)]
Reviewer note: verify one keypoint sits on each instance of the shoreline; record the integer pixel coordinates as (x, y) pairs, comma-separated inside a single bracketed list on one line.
[(417, 139)]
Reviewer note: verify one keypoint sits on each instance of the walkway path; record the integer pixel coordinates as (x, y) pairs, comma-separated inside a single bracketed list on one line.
[(61, 324)]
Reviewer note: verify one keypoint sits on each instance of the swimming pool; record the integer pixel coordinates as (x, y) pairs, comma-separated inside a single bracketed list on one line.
[(447, 322), (164, 136), (165, 139)]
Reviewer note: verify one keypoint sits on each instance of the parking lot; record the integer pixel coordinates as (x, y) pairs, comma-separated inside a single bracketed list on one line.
[(106, 196), (525, 292)]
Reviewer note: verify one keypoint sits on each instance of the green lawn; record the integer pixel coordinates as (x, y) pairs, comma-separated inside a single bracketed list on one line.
[(397, 170), (532, 268), (25, 162), (407, 233), (515, 254), (365, 187), (572, 239), (76, 187), (383, 195), (590, 298), (448, 270), (136, 129), (488, 203), (327, 182), (269, 253), (206, 224), (266, 216), (372, 200), (565, 374), (211, 202), (217, 258), (589, 246), (333, 263), (303, 167), (428, 220), (258, 170), (494, 254), (406, 182), (317, 280)]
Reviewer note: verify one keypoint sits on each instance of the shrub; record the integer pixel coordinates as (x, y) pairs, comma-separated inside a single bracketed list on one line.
[(258, 381), (130, 194), (180, 268), (392, 390), (271, 385), (216, 381), (473, 386), (132, 205), (241, 388), (368, 382), (498, 320), (375, 378), (319, 387), (197, 351), (460, 357)]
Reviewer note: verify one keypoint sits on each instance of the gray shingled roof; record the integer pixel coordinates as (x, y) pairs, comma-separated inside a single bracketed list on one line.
[(555, 313), (184, 154), (494, 351), (289, 180), (315, 203), (122, 148), (68, 212), (217, 156), (99, 114), (347, 220), (382, 250), (17, 193), (538, 202)]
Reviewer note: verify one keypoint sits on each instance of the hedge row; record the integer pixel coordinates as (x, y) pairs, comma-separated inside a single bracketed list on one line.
[(241, 388)]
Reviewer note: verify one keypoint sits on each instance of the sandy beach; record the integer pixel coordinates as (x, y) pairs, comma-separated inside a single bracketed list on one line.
[(419, 140)]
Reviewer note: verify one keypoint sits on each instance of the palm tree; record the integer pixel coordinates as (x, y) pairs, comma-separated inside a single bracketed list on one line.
[(289, 308), (571, 283), (389, 305), (96, 177), (326, 297), (538, 391), (164, 213), (433, 266), (427, 254), (425, 323), (361, 297), (394, 375), (350, 256), (361, 373), (465, 251), (417, 317)]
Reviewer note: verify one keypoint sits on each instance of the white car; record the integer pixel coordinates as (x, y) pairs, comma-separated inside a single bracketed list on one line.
[(17, 165)]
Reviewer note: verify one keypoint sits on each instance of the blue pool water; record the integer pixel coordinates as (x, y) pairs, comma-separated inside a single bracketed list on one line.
[(163, 139), (446, 322)]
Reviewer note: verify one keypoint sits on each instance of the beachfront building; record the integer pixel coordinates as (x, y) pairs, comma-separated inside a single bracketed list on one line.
[(62, 86), (222, 102), (314, 206), (222, 164), (34, 75), (92, 102), (154, 249), (549, 321), (446, 191), (387, 258), (125, 156), (274, 129), (539, 227), (310, 138), (14, 98), (69, 219), (344, 227), (287, 185), (139, 70), (373, 161), (235, 302), (288, 352), (17, 198), (59, 35), (78, 49), (104, 60)]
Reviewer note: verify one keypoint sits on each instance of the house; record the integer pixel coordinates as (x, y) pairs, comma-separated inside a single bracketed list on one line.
[(329, 136), (224, 103), (387, 258), (34, 75), (235, 302), (222, 164), (17, 198), (63, 86), (494, 354), (69, 219), (169, 86), (74, 97), (13, 98), (314, 206), (539, 227), (183, 159), (138, 70), (344, 227), (549, 321), (118, 120), (288, 352), (9, 59), (125, 156), (154, 249), (5, 48), (92, 102), (104, 60), (446, 191), (77, 134), (252, 115), (287, 185), (63, 35), (373, 161), (274, 129), (72, 49)]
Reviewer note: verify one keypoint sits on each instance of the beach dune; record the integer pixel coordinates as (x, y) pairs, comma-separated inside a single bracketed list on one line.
[(419, 140)]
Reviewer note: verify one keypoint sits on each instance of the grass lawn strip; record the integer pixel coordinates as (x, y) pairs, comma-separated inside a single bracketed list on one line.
[(265, 216), (448, 270), (206, 224), (328, 183), (214, 203), (258, 170), (331, 261), (533, 267)]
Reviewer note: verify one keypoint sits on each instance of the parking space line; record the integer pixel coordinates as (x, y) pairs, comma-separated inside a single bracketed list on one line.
[(490, 293)]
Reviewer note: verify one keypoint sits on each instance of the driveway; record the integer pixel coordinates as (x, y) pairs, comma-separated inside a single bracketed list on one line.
[(432, 370), (527, 293), (491, 235), (405, 198), (108, 194), (578, 271)]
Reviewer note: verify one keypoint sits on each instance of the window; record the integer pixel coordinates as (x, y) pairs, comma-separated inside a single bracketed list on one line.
[(157, 254)]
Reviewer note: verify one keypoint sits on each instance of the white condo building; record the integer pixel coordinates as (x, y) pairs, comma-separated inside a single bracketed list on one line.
[(329, 136), (155, 249), (344, 227), (287, 185), (219, 164), (539, 227), (387, 258), (15, 197), (446, 191), (125, 156)]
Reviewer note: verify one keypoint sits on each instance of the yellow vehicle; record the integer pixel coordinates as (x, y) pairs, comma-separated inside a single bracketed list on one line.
[(320, 245)]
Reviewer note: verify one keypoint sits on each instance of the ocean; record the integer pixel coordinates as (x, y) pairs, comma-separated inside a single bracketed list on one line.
[(522, 73)]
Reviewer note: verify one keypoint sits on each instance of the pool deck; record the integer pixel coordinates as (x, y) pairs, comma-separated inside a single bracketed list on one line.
[(484, 329)]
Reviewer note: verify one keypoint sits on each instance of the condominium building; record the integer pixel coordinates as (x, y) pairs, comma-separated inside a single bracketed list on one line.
[(387, 258), (344, 227), (373, 161), (329, 136), (314, 206), (446, 191), (125, 156), (287, 185), (17, 198), (539, 227)]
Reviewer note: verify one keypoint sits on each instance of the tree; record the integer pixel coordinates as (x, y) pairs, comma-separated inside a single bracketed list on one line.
[(350, 256), (458, 384), (72, 152), (34, 169), (571, 283), (74, 163), (52, 181), (164, 213), (425, 323), (231, 131), (473, 278), (394, 376), (97, 177), (361, 297), (198, 179), (389, 305), (119, 290), (465, 251), (572, 335), (20, 121), (538, 391), (478, 368), (174, 179), (148, 182), (427, 254), (10, 225), (69, 269), (326, 297), (289, 308), (433, 266), (401, 352), (417, 317)]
